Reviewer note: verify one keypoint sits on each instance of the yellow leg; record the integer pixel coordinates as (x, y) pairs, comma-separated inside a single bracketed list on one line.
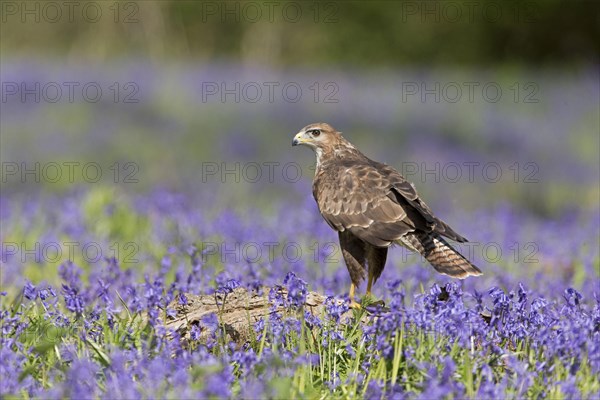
[(369, 286), (370, 283), (353, 304)]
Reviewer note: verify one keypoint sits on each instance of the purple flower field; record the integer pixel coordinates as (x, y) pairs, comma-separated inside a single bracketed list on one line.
[(91, 269)]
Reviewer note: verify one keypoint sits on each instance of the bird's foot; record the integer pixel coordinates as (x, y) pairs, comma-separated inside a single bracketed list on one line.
[(355, 305), (371, 301), (378, 303), (371, 305)]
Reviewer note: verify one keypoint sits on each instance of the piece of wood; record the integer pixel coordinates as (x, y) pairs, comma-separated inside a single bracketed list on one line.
[(238, 311)]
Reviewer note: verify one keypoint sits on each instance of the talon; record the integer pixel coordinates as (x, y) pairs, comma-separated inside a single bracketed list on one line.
[(355, 305), (377, 307)]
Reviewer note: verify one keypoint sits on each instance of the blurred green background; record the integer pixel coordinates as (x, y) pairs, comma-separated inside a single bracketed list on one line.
[(181, 80), (283, 34)]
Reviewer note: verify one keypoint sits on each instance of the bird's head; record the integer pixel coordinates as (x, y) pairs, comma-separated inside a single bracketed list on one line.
[(316, 136)]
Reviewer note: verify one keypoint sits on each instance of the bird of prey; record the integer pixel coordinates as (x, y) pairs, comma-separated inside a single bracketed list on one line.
[(372, 206)]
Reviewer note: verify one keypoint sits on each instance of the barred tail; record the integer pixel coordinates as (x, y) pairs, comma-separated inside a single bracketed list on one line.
[(440, 254)]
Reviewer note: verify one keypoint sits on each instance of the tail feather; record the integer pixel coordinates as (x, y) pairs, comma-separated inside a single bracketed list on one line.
[(445, 259)]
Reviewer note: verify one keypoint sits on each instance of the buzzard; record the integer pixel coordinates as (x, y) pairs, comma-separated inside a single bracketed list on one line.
[(372, 206)]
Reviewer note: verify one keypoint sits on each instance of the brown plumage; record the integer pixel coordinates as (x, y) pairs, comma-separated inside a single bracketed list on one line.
[(372, 206)]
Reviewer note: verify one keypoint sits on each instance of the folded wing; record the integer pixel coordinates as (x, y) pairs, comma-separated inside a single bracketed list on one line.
[(374, 202)]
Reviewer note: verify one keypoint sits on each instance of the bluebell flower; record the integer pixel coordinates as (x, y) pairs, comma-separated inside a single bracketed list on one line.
[(312, 320), (374, 390), (259, 326), (73, 300), (297, 291), (182, 299), (29, 291), (227, 286), (102, 291), (219, 384), (211, 322), (246, 358), (276, 297), (573, 297), (334, 381), (195, 332), (70, 274), (47, 292), (253, 388), (81, 380), (334, 308)]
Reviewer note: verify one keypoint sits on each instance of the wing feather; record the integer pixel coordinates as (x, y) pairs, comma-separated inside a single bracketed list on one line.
[(374, 202), (355, 196)]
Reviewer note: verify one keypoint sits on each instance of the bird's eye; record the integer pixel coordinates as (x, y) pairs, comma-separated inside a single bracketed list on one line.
[(315, 132)]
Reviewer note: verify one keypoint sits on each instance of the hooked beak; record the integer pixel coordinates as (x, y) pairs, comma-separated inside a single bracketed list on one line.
[(298, 139)]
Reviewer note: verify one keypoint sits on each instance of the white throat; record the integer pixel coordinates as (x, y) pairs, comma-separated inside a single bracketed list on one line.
[(319, 153)]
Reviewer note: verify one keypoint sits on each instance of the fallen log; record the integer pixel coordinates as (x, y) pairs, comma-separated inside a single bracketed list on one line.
[(237, 310)]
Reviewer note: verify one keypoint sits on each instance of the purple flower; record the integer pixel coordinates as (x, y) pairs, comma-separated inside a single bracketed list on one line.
[(334, 381), (256, 286), (171, 313), (120, 379), (153, 293), (573, 297), (228, 286), (73, 300), (47, 292), (374, 390), (11, 370), (276, 297), (219, 385), (259, 326), (569, 388), (81, 381), (195, 332), (253, 388), (246, 358), (29, 291), (70, 274), (102, 291), (311, 320), (297, 291), (308, 358), (335, 309), (182, 299), (211, 322)]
